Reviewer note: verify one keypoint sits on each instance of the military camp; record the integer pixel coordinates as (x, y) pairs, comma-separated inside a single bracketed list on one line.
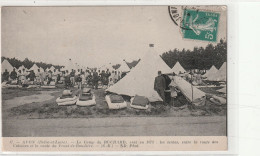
[(76, 75)]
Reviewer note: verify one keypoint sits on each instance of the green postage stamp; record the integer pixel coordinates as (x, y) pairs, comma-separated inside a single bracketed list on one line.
[(200, 25), (195, 22)]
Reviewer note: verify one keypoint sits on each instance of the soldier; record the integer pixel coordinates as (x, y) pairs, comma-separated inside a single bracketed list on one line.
[(13, 75), (160, 85), (5, 76)]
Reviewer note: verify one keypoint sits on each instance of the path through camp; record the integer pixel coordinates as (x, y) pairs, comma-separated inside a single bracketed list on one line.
[(124, 126)]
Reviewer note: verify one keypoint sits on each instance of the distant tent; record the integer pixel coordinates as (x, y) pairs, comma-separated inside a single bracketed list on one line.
[(77, 67), (34, 68), (177, 68), (220, 75), (123, 67), (63, 69), (83, 68), (51, 69), (106, 67), (140, 81), (22, 68), (211, 71), (6, 66), (110, 67), (41, 69), (102, 68), (16, 70), (69, 65)]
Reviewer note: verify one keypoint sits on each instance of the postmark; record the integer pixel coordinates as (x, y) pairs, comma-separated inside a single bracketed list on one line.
[(195, 23)]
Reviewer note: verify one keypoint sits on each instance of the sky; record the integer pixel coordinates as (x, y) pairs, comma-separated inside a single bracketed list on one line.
[(91, 36)]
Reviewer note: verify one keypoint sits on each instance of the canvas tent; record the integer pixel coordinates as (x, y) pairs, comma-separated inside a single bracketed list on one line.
[(69, 65), (123, 67), (140, 81), (6, 66), (220, 75), (110, 67), (107, 67), (63, 69), (83, 68), (51, 68), (192, 94), (76, 67), (34, 68), (41, 70), (212, 71), (177, 68), (22, 68), (102, 68)]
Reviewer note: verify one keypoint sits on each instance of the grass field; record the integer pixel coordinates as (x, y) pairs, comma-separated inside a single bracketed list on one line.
[(50, 109)]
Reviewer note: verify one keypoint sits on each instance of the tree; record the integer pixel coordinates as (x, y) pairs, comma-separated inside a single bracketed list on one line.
[(199, 58)]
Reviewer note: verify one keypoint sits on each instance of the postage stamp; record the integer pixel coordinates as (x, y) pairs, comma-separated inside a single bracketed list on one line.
[(200, 25), (196, 23)]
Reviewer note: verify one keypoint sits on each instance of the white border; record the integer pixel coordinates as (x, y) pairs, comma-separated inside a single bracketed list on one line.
[(232, 36)]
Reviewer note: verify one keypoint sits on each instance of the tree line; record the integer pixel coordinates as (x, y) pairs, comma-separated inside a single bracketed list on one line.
[(198, 58), (28, 63)]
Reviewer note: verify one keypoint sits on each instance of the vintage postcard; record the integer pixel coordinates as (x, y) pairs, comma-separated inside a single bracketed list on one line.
[(114, 78)]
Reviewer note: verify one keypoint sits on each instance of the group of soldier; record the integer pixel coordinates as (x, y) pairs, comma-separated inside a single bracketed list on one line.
[(92, 77), (70, 78)]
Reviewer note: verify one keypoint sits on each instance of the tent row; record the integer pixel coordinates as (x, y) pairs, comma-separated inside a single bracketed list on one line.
[(213, 74), (7, 66)]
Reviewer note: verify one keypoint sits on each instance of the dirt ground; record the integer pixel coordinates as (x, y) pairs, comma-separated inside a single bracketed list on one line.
[(34, 112), (40, 103)]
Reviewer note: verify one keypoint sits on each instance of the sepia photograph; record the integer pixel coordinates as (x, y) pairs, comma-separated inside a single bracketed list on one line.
[(114, 71)]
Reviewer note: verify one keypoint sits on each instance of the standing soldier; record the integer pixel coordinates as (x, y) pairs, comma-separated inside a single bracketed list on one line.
[(72, 77), (5, 76), (160, 85), (13, 75), (95, 79)]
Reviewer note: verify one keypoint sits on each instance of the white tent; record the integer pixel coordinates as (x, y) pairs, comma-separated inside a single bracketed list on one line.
[(123, 67), (69, 65), (76, 66), (220, 75), (63, 69), (34, 68), (140, 81), (110, 67), (83, 68), (192, 94), (22, 68), (211, 71), (41, 70), (102, 68), (16, 70), (106, 67), (6, 66), (51, 68), (177, 68)]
